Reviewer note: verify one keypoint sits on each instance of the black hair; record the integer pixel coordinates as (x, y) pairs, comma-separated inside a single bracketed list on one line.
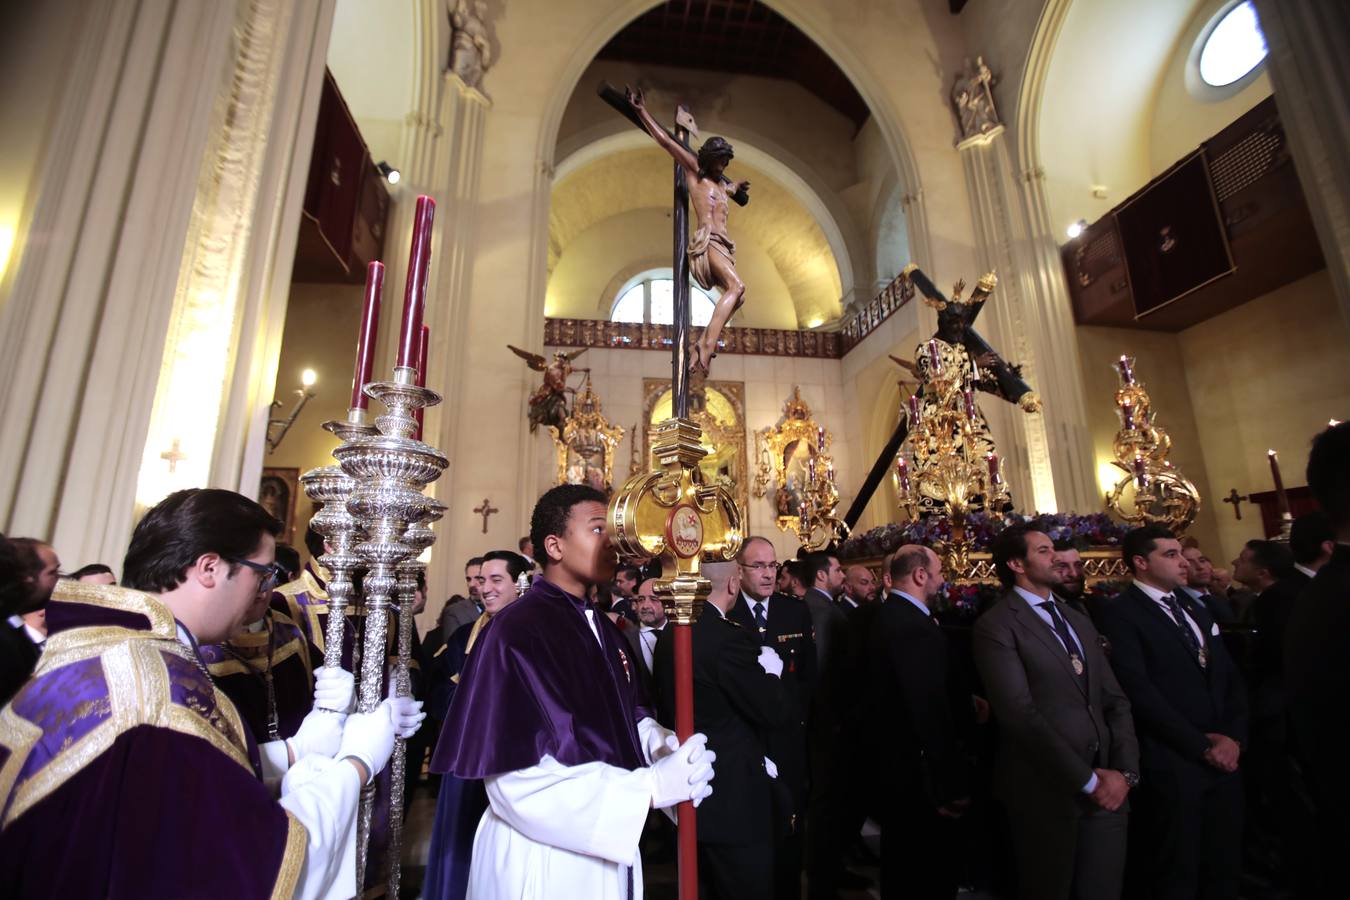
[(474, 561), (32, 566), (520, 544), (629, 570), (797, 569), (1273, 556), (515, 563), (1142, 541), (1064, 545), (554, 509), (1308, 534), (1011, 543), (289, 559), (314, 543), (904, 564), (15, 578), (1329, 472), (812, 564), (713, 148), (184, 526), (91, 569)]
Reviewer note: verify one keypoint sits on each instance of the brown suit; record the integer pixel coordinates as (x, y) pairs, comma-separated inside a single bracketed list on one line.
[(1054, 728)]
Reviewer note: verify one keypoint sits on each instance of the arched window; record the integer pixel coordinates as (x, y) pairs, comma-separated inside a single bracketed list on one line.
[(652, 301)]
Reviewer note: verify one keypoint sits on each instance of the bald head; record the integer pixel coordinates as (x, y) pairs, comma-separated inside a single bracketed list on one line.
[(916, 571), (725, 578), (860, 583)]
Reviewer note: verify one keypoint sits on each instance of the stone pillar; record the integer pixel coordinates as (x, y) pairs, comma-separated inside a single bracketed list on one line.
[(1030, 321), (1309, 64), (83, 330)]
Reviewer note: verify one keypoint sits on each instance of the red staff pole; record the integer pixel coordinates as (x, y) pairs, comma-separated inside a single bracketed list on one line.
[(684, 729)]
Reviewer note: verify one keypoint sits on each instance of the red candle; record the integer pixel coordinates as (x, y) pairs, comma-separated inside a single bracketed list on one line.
[(934, 356), (415, 293), (914, 410), (1127, 415), (811, 471), (969, 397), (994, 476), (829, 471), (421, 375), (1140, 471), (370, 327), (902, 470), (820, 438)]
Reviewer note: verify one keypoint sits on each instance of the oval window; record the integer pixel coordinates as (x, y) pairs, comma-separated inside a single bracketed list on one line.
[(1234, 47)]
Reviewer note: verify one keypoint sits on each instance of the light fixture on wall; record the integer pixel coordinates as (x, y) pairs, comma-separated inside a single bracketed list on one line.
[(1077, 228), (303, 396), (390, 174)]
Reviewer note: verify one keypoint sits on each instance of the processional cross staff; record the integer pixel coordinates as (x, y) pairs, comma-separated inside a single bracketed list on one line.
[(670, 512)]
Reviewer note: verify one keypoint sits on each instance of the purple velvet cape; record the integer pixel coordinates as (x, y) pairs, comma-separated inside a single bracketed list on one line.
[(538, 684), (134, 777), (240, 674)]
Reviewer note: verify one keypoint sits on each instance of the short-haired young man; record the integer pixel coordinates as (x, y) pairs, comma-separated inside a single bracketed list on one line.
[(121, 725), (1067, 755), (549, 714), (1190, 714)]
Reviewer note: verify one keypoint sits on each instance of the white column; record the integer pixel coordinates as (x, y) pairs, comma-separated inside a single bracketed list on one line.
[(1309, 64), (1030, 321), (82, 332)]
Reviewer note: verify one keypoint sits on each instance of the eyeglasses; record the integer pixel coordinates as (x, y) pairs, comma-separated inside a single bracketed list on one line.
[(763, 567), (268, 575)]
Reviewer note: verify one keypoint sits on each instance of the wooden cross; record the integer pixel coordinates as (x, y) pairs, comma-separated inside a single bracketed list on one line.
[(486, 510), (174, 455), (1236, 499)]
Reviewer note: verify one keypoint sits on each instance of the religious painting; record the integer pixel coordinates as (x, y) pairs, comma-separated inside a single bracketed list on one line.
[(718, 407), (784, 458), (586, 442), (277, 493)]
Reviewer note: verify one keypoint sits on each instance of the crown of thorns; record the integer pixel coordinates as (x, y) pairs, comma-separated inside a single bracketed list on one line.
[(715, 148)]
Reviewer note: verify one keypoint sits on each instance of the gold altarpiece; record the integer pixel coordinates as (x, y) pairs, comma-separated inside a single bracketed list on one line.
[(718, 407)]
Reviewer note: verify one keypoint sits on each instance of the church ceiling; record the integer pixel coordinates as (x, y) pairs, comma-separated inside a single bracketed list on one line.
[(641, 179), (739, 36)]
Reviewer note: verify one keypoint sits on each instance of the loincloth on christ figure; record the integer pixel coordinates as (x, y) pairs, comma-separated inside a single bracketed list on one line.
[(700, 266)]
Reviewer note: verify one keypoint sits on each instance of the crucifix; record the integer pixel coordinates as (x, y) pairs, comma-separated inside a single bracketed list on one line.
[(486, 510), (174, 455), (1236, 499)]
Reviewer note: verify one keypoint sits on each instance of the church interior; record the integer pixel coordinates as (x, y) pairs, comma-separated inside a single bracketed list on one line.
[(192, 193)]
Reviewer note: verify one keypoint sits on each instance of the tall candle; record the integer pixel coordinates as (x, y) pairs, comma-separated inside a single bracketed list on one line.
[(974, 370), (811, 471), (829, 471), (934, 356), (415, 293), (902, 470), (1281, 498), (994, 476), (915, 406), (370, 328), (1127, 415), (422, 346), (968, 397), (1140, 472), (1126, 367), (820, 438)]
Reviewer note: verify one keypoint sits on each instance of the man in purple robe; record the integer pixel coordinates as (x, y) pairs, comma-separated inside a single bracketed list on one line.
[(124, 772), (550, 714)]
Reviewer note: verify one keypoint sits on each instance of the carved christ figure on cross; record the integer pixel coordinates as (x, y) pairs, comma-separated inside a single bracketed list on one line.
[(712, 254)]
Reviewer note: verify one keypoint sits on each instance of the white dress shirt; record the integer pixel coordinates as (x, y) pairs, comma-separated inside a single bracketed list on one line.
[(918, 604), (1157, 597), (1305, 570), (647, 637), (1044, 615)]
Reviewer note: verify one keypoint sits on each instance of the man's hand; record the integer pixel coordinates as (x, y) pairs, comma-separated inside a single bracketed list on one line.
[(981, 709), (739, 186), (1223, 752), (634, 96), (1111, 789), (771, 662), (987, 360), (320, 732), (334, 689)]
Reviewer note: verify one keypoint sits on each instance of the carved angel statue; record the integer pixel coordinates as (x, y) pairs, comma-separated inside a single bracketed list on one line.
[(470, 52), (548, 403)]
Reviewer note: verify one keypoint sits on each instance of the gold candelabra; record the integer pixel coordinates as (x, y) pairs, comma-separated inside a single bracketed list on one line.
[(1151, 490), (807, 511), (817, 525), (941, 459)]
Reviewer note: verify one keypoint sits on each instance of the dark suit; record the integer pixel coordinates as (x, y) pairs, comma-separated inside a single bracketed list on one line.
[(1187, 814), (735, 703), (624, 607), (918, 710), (1054, 729), (635, 638), (1219, 607), (18, 658), (1317, 682), (788, 630)]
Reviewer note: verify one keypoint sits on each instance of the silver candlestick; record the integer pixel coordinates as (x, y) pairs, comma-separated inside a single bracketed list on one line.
[(418, 536), (390, 470)]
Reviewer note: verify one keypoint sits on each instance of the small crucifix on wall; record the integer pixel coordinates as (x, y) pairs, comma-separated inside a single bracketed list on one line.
[(1236, 499), (486, 510), (174, 455)]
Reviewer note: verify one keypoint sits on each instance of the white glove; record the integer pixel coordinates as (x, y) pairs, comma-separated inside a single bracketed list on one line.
[(369, 737), (684, 774), (407, 715), (334, 689), (320, 732), (771, 662), (656, 740)]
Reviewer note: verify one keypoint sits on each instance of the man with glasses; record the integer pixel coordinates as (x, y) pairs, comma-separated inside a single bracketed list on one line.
[(782, 623)]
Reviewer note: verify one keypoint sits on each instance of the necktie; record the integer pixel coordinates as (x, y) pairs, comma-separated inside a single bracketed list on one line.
[(1062, 629), (1186, 633), (761, 621)]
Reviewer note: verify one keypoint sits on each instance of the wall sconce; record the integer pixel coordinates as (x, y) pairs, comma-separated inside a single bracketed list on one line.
[(303, 396)]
